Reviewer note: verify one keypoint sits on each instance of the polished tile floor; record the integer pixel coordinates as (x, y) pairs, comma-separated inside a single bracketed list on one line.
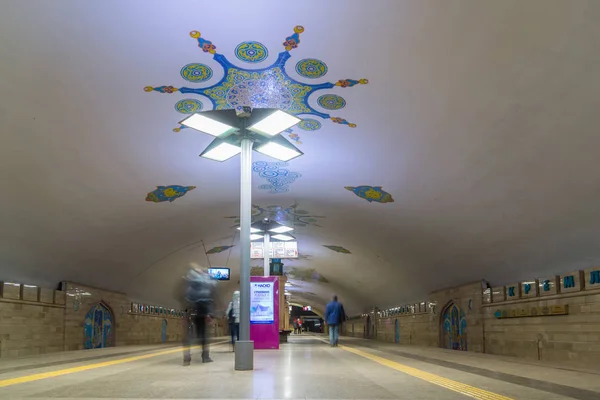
[(304, 368)]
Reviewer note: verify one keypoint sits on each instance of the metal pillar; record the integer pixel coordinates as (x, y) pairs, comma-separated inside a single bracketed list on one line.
[(244, 348), (266, 247)]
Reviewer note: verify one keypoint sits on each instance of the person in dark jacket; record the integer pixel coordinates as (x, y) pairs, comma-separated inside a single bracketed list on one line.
[(196, 293), (334, 316)]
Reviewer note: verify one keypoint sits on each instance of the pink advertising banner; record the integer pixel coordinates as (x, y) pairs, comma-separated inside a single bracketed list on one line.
[(264, 312)]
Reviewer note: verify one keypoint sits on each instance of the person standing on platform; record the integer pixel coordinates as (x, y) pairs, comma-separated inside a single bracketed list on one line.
[(295, 326), (196, 292), (233, 316), (334, 317)]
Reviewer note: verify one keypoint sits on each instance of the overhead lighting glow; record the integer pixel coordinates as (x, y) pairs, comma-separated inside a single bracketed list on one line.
[(278, 151), (254, 236), (223, 151), (282, 237), (252, 230), (281, 229), (275, 123), (207, 125)]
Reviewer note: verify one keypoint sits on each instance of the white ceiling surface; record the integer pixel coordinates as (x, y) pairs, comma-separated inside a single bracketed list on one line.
[(480, 118)]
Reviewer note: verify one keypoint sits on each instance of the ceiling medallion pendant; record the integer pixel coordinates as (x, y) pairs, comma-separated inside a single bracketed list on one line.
[(269, 87), (371, 193)]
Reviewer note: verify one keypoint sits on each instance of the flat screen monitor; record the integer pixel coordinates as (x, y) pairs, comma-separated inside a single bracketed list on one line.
[(219, 274)]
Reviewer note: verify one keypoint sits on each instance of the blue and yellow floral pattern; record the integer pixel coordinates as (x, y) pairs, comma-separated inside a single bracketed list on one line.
[(371, 193), (331, 102), (218, 249), (188, 106), (168, 193), (196, 72), (263, 87), (311, 68), (309, 124), (251, 52)]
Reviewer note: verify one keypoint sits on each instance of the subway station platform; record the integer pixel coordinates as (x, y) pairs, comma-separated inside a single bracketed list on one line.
[(304, 368)]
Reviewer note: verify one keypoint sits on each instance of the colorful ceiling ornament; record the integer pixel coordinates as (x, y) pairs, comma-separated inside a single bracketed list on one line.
[(307, 274), (371, 193), (168, 193), (291, 216), (251, 52), (279, 178), (295, 138), (263, 87), (338, 249), (218, 249), (309, 124)]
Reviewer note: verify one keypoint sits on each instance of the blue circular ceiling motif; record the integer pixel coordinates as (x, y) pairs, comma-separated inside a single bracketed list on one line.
[(309, 124), (188, 106), (311, 68), (331, 102), (251, 52), (196, 72)]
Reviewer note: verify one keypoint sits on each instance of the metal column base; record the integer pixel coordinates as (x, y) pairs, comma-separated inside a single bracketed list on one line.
[(244, 355)]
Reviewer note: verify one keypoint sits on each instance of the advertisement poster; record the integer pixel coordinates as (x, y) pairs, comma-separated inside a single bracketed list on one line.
[(276, 250), (261, 303)]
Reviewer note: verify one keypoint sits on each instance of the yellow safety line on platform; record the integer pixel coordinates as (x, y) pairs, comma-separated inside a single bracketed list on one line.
[(53, 374), (462, 388)]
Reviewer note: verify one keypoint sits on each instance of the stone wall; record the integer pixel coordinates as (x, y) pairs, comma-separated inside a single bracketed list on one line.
[(553, 319), (37, 320), (420, 323), (130, 328), (31, 320)]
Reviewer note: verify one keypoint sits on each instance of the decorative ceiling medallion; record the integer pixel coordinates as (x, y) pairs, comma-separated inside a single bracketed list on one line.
[(251, 52), (307, 274), (309, 124), (284, 215), (168, 193), (196, 72), (331, 102), (279, 178), (218, 249), (338, 249), (371, 193), (188, 106), (295, 138), (264, 87), (311, 68)]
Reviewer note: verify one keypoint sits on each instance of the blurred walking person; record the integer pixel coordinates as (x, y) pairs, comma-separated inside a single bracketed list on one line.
[(334, 316), (196, 292), (233, 317)]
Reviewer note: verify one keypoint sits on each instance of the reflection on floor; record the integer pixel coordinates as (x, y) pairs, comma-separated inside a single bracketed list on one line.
[(304, 368)]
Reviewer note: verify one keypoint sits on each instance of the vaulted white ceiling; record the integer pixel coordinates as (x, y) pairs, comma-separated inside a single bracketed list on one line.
[(480, 119)]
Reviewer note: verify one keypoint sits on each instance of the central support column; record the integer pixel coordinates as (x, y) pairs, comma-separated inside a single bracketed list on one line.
[(266, 248), (244, 348)]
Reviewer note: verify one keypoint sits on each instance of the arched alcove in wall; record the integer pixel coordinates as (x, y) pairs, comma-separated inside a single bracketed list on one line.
[(453, 327), (98, 327)]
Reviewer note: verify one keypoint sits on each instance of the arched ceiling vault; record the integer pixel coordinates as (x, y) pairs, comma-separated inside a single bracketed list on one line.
[(478, 119)]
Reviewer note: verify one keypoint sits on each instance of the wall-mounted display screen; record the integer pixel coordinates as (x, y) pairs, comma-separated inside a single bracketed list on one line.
[(277, 249), (219, 274)]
